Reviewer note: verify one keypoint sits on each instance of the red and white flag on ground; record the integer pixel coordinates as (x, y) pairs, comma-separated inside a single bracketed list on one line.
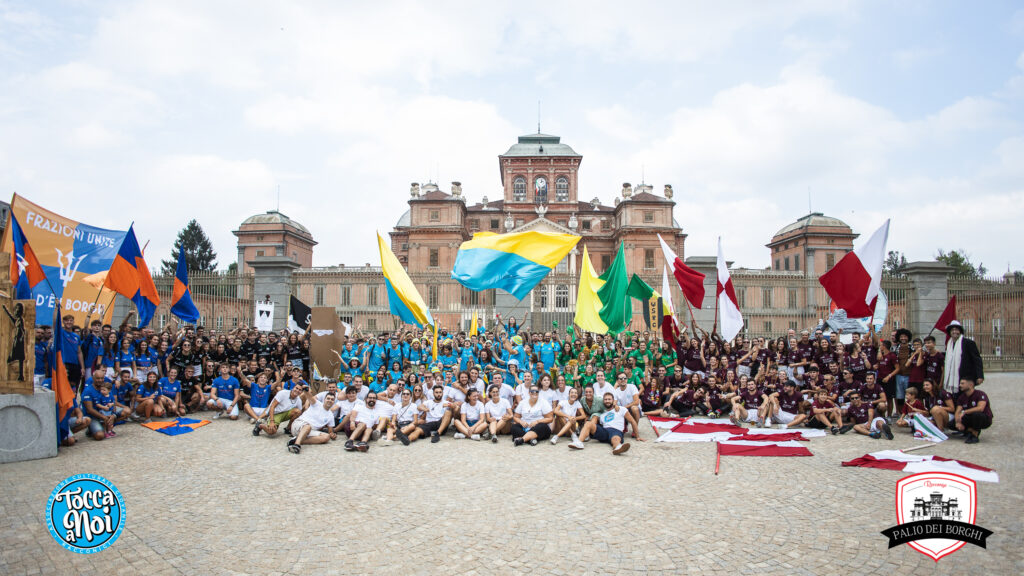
[(729, 317), (721, 430), (753, 448), (913, 463), (691, 281), (854, 283)]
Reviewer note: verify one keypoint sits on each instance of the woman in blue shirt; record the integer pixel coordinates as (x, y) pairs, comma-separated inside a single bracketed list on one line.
[(145, 404), (125, 359)]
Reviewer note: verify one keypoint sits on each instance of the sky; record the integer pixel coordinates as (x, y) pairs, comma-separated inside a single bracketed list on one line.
[(159, 112)]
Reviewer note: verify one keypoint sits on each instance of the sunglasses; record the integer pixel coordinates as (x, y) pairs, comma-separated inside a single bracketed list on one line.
[(534, 391)]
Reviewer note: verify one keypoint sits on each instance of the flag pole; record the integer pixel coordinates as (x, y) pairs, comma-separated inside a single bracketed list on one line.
[(718, 457)]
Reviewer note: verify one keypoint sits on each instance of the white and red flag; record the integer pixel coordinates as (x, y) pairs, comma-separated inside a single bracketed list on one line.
[(854, 283), (913, 463), (730, 319), (691, 281)]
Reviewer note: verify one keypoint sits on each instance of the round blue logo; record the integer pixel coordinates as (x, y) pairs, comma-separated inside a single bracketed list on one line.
[(85, 513)]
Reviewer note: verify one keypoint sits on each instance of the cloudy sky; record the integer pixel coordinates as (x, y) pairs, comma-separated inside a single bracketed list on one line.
[(161, 111)]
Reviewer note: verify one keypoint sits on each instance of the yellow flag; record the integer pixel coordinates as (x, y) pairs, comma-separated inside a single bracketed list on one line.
[(473, 326), (434, 328), (588, 304)]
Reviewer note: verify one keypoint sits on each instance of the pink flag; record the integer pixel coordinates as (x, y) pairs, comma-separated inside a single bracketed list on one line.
[(854, 283), (731, 321)]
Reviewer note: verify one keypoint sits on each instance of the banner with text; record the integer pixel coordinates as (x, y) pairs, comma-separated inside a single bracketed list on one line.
[(68, 252)]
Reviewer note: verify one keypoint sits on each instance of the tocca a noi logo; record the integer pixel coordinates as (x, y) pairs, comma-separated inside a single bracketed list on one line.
[(85, 513), (936, 512)]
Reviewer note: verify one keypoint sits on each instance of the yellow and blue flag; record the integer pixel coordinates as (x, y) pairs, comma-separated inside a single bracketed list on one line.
[(182, 305), (514, 262), (404, 299)]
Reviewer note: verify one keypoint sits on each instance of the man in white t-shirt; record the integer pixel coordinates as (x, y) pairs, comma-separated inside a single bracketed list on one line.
[(315, 425), (345, 408), (627, 396), (505, 391), (531, 420), (285, 407), (608, 427), (471, 422), (437, 415), (370, 419)]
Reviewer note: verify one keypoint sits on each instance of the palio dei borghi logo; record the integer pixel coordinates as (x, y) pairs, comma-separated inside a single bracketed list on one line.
[(936, 513), (85, 513)]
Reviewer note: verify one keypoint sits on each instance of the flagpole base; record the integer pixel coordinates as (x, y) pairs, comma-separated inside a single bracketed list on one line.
[(28, 426)]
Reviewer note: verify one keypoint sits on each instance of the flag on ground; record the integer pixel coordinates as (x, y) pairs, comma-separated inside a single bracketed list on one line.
[(63, 394), (181, 297), (514, 262), (926, 430), (129, 276), (731, 321), (752, 448), (403, 297), (616, 307), (720, 429), (854, 282), (588, 303), (26, 271), (299, 315), (913, 463), (691, 281)]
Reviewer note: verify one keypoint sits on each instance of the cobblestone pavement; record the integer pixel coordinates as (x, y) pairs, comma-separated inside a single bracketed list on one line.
[(218, 501)]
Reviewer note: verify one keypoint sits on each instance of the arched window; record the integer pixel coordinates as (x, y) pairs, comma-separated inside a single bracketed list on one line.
[(561, 297), (519, 189), (562, 189)]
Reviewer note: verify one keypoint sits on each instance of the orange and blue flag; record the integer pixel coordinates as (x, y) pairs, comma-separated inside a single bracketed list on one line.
[(26, 271), (63, 394), (129, 276), (181, 297)]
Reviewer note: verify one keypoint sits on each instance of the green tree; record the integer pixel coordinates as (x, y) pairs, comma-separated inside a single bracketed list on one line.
[(960, 262), (895, 262), (199, 254)]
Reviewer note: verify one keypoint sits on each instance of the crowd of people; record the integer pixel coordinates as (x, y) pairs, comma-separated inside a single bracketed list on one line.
[(528, 385)]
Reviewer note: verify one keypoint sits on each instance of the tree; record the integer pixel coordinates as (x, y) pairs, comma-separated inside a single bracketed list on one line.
[(199, 254), (895, 262), (233, 268), (960, 262)]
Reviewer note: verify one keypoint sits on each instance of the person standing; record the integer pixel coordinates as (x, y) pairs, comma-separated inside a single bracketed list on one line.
[(963, 360)]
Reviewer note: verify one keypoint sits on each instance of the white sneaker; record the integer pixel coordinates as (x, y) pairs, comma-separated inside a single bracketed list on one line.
[(782, 426), (386, 442), (576, 445), (475, 437), (575, 437), (768, 422), (459, 436), (252, 420), (217, 415), (554, 439)]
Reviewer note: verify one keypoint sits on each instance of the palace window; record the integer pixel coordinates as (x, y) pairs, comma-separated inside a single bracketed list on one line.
[(435, 258), (519, 189), (648, 216), (562, 189), (540, 298), (318, 296), (346, 295), (648, 258), (433, 295), (371, 295), (561, 297)]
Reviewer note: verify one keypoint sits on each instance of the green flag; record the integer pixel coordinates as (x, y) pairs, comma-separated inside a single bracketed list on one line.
[(639, 289), (617, 309)]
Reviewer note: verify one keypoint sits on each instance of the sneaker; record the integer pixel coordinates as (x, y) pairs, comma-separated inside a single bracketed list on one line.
[(435, 437), (887, 431), (835, 430), (971, 439), (475, 437), (875, 434), (554, 439), (621, 448), (402, 437), (576, 445), (375, 435), (734, 420), (256, 430), (575, 436), (768, 422), (517, 441), (350, 445), (955, 433), (782, 426), (486, 435), (362, 446), (216, 415), (458, 436), (760, 422), (294, 448), (846, 429), (386, 442), (288, 430), (252, 420), (494, 439), (533, 442)]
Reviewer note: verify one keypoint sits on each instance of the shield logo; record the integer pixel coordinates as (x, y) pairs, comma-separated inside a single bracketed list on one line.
[(936, 496)]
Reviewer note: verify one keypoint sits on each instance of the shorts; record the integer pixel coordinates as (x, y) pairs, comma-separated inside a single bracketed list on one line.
[(890, 387), (428, 427), (224, 403), (602, 434), (96, 427), (282, 416), (901, 386), (404, 424), (472, 422), (751, 414), (260, 412), (313, 433), (783, 417), (879, 421), (815, 423)]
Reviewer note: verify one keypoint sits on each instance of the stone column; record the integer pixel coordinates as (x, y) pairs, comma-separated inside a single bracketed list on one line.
[(273, 275), (708, 266), (929, 295)]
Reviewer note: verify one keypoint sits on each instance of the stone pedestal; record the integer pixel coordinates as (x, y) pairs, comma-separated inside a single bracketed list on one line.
[(273, 275), (930, 285), (28, 426), (705, 317)]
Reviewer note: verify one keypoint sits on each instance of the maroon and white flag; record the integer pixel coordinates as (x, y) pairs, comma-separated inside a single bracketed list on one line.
[(729, 318), (691, 281), (854, 283)]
